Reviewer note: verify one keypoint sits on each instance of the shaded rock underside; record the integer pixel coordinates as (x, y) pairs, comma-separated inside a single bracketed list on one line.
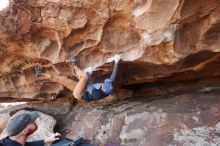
[(183, 120)]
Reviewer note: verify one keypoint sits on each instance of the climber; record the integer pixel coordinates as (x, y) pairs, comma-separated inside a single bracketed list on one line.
[(20, 127), (86, 90)]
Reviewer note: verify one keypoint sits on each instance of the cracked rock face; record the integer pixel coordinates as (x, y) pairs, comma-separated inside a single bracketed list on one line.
[(183, 120), (159, 41)]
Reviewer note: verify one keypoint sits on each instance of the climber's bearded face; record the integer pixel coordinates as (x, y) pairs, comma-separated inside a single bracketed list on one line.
[(31, 128)]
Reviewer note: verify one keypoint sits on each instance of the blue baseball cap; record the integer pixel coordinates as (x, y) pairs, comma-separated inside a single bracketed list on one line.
[(17, 123)]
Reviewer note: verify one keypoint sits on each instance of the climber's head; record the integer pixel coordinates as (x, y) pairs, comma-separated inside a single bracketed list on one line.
[(22, 124), (107, 87)]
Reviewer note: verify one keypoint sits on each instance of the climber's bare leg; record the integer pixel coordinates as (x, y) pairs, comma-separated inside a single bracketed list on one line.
[(81, 85), (65, 81)]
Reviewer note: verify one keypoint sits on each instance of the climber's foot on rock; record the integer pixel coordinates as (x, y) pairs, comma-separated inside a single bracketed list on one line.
[(38, 70), (88, 70), (79, 72)]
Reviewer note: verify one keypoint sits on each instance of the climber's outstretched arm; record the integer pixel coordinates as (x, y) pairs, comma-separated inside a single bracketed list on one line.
[(107, 87), (115, 68), (114, 72)]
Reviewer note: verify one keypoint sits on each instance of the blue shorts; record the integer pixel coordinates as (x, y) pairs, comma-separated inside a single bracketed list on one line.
[(97, 94)]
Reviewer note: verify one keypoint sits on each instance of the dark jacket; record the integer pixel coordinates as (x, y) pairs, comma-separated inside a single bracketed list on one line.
[(8, 142)]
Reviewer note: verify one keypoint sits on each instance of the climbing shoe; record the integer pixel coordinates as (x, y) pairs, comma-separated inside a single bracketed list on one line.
[(38, 70)]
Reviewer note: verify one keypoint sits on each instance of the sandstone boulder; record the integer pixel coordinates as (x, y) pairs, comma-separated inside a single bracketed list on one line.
[(160, 42), (185, 119)]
